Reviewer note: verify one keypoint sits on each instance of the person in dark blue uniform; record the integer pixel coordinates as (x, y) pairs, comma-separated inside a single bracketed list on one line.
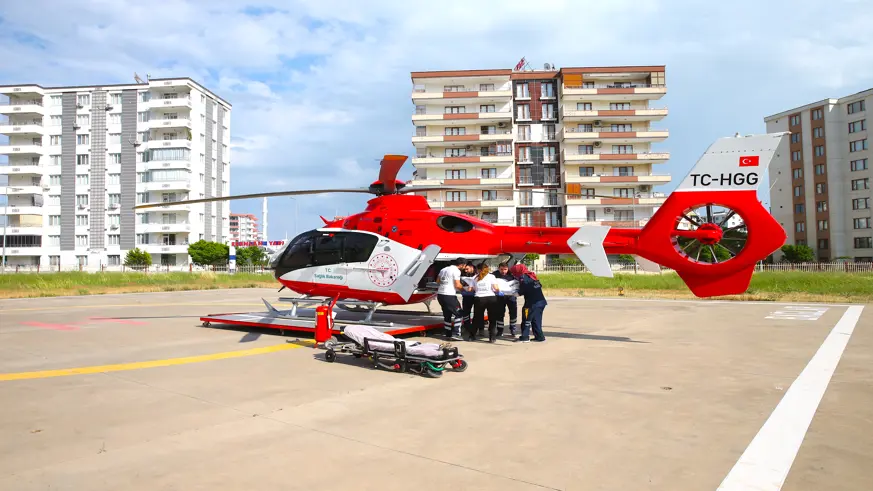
[(507, 302), (534, 303)]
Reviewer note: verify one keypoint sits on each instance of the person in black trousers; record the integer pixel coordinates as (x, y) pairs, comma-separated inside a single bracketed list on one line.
[(468, 271), (534, 303), (507, 302), (449, 281), (485, 300)]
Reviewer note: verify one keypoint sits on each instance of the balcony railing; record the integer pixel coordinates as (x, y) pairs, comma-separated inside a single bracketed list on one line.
[(633, 85), (477, 133), (22, 103)]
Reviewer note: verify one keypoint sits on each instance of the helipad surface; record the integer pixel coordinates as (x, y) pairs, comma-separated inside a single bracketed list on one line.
[(129, 392)]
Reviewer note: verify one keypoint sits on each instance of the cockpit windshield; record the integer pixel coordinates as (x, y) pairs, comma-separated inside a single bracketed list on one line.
[(317, 248)]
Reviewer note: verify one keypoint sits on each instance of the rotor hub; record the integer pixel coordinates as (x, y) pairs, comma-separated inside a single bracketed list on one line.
[(709, 234)]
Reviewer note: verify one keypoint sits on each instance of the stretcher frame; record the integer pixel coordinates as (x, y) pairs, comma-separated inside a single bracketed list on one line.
[(398, 360)]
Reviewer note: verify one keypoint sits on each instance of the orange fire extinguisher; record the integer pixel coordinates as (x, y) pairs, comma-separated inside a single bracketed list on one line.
[(323, 323)]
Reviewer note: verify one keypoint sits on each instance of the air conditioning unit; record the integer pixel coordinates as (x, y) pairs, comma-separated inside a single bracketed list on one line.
[(607, 210), (501, 124), (645, 188), (597, 144), (598, 122)]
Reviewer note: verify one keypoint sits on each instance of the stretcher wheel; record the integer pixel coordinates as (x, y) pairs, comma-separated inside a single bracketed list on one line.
[(330, 356), (431, 373), (462, 365)]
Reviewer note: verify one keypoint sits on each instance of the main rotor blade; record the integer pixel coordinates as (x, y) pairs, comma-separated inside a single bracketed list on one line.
[(256, 195), (391, 165)]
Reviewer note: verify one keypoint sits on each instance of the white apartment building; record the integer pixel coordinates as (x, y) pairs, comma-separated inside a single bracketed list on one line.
[(78, 159), (821, 190), (553, 147), (244, 228)]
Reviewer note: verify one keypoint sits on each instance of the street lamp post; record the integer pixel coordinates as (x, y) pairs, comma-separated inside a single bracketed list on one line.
[(295, 215)]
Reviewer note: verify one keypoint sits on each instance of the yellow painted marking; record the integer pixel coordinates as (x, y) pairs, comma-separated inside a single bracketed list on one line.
[(48, 309), (4, 377)]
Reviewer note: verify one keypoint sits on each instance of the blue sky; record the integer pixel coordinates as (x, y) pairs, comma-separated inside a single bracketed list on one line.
[(321, 89)]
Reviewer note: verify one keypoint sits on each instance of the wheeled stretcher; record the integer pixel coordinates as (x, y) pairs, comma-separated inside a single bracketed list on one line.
[(390, 353)]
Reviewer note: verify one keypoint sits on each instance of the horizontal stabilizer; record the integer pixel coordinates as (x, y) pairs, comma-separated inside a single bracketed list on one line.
[(646, 265), (587, 244)]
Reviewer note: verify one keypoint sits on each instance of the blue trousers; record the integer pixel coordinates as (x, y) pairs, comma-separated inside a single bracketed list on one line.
[(532, 319)]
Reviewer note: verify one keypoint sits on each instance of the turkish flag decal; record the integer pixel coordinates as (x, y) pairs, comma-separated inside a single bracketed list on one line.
[(749, 161)]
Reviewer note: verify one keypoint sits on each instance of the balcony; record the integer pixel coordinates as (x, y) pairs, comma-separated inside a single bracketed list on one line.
[(609, 223), (471, 204), (177, 143), (612, 136), (639, 158), (169, 123), (32, 128), (477, 183), (12, 190), (171, 103), (21, 149), (435, 140), (464, 159), (613, 114), (21, 210), (166, 228), (163, 164), (17, 169), (173, 207), (163, 185), (465, 94), (639, 199), (29, 107), (617, 179), (164, 249), (26, 251), (27, 91), (601, 91), (440, 118), (13, 230)]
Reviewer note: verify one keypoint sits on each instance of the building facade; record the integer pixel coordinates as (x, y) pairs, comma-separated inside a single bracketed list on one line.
[(244, 228), (821, 190), (553, 147), (78, 159)]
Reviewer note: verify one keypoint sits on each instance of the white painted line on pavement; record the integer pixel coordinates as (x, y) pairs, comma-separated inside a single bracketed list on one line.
[(798, 313), (699, 302), (766, 462)]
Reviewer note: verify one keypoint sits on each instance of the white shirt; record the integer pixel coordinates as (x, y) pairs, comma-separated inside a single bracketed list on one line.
[(483, 286), (446, 280)]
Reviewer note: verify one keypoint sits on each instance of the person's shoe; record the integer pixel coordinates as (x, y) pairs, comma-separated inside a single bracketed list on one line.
[(456, 337), (522, 340), (540, 340)]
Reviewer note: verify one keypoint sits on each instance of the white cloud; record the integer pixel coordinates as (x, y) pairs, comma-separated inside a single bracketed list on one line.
[(321, 89)]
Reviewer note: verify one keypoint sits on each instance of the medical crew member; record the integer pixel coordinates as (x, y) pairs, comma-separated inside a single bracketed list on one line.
[(507, 302), (534, 303), (467, 271), (485, 300), (449, 281)]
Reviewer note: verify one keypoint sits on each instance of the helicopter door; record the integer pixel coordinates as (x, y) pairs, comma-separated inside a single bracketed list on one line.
[(328, 265)]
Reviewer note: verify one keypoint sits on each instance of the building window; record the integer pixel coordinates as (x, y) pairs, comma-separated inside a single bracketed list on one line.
[(55, 139), (855, 107), (549, 111), (583, 106), (858, 145), (859, 184), (623, 149), (450, 152), (114, 240), (799, 208), (55, 180), (82, 240), (819, 188), (81, 220), (819, 169), (794, 120), (863, 242), (856, 126), (821, 206), (817, 114), (486, 87), (54, 160), (487, 108), (859, 223), (114, 260), (823, 243), (83, 179), (456, 196), (523, 111), (57, 100), (54, 240), (818, 132), (822, 224), (83, 139), (115, 220), (489, 173), (54, 200), (524, 132), (54, 220), (547, 90), (586, 171), (456, 174), (489, 195), (798, 173), (819, 150), (114, 199), (522, 90), (114, 179), (114, 158), (798, 191), (142, 239), (83, 119), (83, 100), (81, 200), (857, 165), (860, 203), (83, 159), (619, 106), (455, 131), (795, 138), (795, 156), (799, 226)]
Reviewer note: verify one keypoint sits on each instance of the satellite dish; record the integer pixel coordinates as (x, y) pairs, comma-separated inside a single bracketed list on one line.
[(547, 66)]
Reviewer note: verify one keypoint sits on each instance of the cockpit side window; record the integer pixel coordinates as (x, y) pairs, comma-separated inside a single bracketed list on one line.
[(358, 247)]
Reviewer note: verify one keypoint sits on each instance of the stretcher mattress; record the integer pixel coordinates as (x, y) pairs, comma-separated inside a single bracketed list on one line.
[(357, 333)]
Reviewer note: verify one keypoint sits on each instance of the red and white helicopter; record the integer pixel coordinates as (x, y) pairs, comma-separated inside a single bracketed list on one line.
[(390, 253)]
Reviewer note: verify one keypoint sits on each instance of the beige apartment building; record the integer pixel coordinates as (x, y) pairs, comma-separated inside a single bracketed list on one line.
[(551, 147), (821, 189)]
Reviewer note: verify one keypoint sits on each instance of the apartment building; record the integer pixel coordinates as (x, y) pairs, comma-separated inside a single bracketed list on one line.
[(821, 190), (552, 147), (244, 228), (78, 159)]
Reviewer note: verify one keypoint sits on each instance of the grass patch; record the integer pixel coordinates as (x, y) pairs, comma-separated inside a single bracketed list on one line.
[(766, 285), (80, 283)]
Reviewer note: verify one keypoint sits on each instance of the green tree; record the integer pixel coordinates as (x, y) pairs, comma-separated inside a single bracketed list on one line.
[(137, 257), (798, 253), (250, 256), (626, 259), (205, 253)]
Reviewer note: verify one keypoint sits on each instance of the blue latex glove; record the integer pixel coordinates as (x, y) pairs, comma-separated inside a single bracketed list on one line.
[(499, 294)]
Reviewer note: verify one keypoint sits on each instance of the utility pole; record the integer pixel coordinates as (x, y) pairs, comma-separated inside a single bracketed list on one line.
[(5, 222)]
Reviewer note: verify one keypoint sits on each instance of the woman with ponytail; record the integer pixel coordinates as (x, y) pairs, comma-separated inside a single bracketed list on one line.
[(485, 299), (534, 303)]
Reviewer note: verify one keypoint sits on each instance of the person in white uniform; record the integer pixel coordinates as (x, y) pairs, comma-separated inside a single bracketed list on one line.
[(449, 281), (485, 300)]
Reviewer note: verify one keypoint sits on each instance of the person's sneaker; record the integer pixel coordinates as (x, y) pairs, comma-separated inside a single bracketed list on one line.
[(540, 340), (520, 340)]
